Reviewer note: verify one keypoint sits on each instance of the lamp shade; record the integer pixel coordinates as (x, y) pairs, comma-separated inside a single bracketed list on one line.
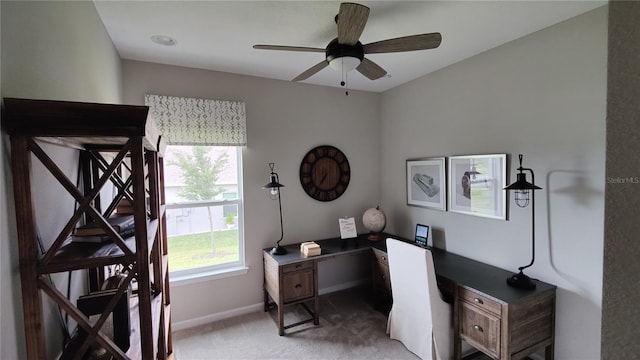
[(273, 184), (522, 184)]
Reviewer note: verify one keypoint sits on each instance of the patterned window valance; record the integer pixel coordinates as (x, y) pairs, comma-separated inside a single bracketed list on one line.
[(189, 121)]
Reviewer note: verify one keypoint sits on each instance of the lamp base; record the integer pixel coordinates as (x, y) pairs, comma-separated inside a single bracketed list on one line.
[(278, 250), (521, 281)]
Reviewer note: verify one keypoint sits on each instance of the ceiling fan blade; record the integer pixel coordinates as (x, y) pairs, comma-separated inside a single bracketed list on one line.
[(371, 70), (311, 71), (288, 48), (405, 43), (351, 21)]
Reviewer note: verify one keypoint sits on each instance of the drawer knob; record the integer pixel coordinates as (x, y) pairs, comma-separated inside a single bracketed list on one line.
[(384, 258), (298, 266), (478, 300), (298, 286), (478, 328)]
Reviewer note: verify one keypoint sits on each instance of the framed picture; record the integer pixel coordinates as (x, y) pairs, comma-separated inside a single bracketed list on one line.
[(426, 183), (476, 184)]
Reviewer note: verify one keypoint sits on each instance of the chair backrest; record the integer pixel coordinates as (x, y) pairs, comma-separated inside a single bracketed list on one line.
[(419, 316)]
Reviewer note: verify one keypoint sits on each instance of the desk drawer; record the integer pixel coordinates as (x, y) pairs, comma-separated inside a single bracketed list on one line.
[(298, 285), (381, 256), (481, 329), (381, 278), (480, 301), (297, 266)]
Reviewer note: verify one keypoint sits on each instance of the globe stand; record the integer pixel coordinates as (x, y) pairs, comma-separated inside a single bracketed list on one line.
[(374, 220)]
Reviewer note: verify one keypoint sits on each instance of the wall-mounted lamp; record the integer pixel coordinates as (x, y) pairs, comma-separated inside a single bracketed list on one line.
[(274, 192), (525, 194)]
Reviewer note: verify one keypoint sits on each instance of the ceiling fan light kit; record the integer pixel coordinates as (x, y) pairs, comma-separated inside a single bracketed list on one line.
[(346, 52), (343, 57)]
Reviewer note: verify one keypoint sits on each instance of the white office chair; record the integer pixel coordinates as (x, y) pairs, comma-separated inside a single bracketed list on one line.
[(419, 318)]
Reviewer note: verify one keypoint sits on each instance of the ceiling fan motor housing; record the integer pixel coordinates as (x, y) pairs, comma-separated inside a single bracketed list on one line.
[(336, 50)]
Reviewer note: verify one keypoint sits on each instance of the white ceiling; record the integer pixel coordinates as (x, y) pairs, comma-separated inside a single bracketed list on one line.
[(219, 35)]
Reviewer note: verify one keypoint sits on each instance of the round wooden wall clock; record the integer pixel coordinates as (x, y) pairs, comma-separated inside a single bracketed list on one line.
[(325, 173)]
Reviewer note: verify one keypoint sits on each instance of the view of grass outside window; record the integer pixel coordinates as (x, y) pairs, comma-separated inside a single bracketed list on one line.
[(204, 208), (483, 186)]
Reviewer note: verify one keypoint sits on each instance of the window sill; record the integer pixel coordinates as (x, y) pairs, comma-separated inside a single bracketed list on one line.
[(207, 276)]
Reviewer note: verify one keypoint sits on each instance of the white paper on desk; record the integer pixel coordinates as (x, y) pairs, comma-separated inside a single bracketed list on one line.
[(347, 228)]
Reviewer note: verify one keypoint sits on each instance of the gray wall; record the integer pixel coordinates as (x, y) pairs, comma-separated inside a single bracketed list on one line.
[(50, 50), (284, 121), (544, 96), (620, 314)]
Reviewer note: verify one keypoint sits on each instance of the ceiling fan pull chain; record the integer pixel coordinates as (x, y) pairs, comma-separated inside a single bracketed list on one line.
[(342, 73), (346, 75)]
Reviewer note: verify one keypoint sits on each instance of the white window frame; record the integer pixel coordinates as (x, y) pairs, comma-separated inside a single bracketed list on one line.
[(205, 273)]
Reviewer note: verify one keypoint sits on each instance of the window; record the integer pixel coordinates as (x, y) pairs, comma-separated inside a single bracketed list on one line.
[(203, 189), (203, 182)]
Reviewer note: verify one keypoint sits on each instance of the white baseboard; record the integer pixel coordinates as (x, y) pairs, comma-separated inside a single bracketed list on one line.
[(186, 324)]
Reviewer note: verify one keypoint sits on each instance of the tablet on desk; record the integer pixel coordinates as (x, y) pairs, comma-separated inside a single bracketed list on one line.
[(422, 234)]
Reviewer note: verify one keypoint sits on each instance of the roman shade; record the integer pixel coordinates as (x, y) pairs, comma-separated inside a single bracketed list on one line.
[(192, 121)]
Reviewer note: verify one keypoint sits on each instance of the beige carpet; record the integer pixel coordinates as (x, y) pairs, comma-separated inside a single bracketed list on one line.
[(349, 329)]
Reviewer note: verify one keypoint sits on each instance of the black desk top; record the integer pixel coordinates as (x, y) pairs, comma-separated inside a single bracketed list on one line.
[(330, 248), (469, 273)]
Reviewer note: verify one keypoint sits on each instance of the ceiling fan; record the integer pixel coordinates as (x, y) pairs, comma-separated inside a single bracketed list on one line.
[(346, 52)]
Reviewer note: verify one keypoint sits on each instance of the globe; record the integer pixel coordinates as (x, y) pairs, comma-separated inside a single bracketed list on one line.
[(374, 220)]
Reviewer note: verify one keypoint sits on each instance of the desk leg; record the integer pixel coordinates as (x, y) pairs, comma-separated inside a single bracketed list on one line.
[(280, 312), (316, 301), (316, 311), (280, 320), (457, 342), (266, 301)]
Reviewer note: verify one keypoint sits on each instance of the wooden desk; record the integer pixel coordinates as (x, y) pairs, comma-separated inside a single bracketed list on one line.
[(501, 321)]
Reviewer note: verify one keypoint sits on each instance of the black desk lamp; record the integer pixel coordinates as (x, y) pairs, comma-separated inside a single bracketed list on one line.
[(274, 191), (522, 189)]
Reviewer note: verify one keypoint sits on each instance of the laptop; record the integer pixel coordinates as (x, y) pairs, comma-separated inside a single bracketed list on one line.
[(422, 234)]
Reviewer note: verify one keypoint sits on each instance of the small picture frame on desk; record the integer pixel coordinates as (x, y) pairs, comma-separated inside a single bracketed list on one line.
[(347, 228), (426, 183)]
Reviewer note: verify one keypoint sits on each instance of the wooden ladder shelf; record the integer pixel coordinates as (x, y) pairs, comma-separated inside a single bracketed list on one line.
[(121, 154)]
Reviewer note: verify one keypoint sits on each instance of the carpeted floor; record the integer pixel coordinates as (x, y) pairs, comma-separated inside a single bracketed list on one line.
[(349, 329)]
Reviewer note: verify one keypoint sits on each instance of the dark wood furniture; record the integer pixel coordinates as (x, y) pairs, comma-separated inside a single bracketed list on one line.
[(291, 284), (381, 281), (118, 145), (501, 321)]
